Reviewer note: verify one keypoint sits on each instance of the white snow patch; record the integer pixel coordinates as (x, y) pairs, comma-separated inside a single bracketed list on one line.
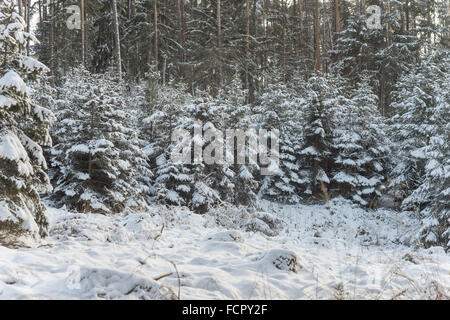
[(319, 253)]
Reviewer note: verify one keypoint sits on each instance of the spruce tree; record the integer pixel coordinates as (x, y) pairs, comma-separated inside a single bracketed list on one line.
[(411, 127), (361, 146), (279, 109), (23, 130), (238, 115), (98, 156), (316, 151)]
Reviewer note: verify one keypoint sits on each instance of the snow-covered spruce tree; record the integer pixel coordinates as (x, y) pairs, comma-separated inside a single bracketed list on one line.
[(279, 108), (238, 115), (436, 185), (361, 146), (162, 113), (434, 191), (316, 155), (411, 127), (23, 130), (382, 54), (97, 155), (209, 172), (356, 47), (198, 185)]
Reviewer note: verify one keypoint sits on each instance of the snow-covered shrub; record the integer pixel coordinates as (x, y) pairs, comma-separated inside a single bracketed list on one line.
[(227, 236), (233, 217), (285, 260)]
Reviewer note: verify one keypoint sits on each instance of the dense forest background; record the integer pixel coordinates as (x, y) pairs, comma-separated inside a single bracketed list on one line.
[(363, 112)]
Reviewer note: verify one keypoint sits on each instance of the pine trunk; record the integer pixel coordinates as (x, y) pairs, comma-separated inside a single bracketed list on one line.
[(155, 9), (317, 35), (28, 24), (117, 38), (83, 41), (337, 16), (219, 41)]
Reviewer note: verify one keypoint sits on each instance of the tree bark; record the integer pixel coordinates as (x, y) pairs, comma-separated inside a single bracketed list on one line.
[(407, 15), (247, 44), (389, 35), (28, 24), (180, 7), (337, 16), (20, 7), (219, 40), (83, 41), (52, 36), (300, 21), (40, 12), (317, 33), (25, 5), (155, 9), (117, 38)]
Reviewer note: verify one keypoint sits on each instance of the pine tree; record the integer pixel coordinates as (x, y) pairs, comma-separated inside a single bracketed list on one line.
[(23, 130), (238, 115), (316, 151), (384, 54), (411, 126), (161, 114), (98, 154), (361, 146), (434, 191), (279, 109)]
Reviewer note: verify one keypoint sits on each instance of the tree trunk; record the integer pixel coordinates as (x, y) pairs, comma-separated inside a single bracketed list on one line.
[(407, 15), (300, 40), (117, 38), (247, 42), (317, 32), (337, 16), (247, 45), (25, 10), (44, 10), (219, 41), (155, 9), (180, 7), (388, 31), (28, 24), (52, 37), (149, 49), (40, 12), (20, 7), (83, 41)]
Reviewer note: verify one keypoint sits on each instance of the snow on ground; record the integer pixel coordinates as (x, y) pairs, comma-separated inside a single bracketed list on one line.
[(313, 252)]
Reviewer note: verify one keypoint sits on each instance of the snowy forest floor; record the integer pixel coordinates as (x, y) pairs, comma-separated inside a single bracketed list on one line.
[(341, 252)]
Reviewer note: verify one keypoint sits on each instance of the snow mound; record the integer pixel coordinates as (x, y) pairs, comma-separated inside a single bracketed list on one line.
[(231, 236), (239, 218), (111, 284), (284, 260)]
